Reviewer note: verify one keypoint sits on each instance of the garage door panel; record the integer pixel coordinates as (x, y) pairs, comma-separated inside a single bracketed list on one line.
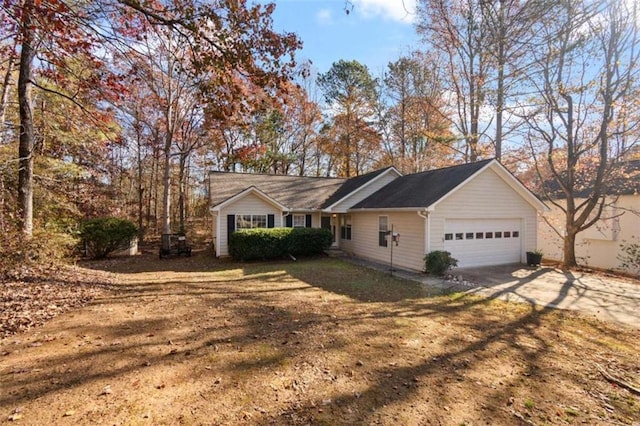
[(478, 242)]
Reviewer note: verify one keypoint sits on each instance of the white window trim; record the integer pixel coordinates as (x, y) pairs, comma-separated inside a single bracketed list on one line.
[(380, 230), (345, 223), (299, 216), (251, 221)]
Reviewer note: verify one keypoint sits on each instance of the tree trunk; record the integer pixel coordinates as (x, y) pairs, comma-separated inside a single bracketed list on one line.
[(3, 228), (3, 105), (27, 135), (156, 183), (472, 139), (181, 195), (500, 89), (570, 250), (140, 192), (4, 96), (166, 194)]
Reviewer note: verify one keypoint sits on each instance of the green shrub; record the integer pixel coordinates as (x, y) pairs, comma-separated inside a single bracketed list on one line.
[(272, 243), (259, 243), (103, 236), (438, 262), (309, 241)]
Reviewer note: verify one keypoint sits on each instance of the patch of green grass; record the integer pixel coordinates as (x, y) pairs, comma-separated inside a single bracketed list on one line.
[(529, 404), (341, 277), (572, 412)]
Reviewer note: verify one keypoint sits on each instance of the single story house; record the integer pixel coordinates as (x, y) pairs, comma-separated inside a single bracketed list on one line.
[(479, 212), (601, 245)]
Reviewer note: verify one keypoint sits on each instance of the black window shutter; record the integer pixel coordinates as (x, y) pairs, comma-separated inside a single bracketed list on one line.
[(231, 223), (307, 221), (289, 221), (271, 221)]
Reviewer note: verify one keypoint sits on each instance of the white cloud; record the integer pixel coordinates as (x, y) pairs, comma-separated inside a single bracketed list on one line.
[(396, 10), (324, 17)]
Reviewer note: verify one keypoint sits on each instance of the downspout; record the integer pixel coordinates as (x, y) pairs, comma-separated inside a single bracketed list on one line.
[(283, 223), (427, 227)]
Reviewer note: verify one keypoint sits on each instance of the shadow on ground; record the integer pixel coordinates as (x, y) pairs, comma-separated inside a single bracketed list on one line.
[(196, 340)]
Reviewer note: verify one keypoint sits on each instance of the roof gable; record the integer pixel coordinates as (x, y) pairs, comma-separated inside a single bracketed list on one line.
[(355, 184), (427, 189), (420, 190), (246, 192)]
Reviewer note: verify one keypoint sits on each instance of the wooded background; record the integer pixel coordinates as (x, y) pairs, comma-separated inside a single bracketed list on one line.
[(122, 107)]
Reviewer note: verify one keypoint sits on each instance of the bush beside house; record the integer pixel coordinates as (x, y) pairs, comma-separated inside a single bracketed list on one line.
[(438, 262)]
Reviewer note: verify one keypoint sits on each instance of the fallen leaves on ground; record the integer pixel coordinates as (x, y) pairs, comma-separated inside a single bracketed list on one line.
[(33, 296), (203, 341)]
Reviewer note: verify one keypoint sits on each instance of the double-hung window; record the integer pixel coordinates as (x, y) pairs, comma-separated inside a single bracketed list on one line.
[(249, 221), (383, 228), (345, 228), (299, 221)]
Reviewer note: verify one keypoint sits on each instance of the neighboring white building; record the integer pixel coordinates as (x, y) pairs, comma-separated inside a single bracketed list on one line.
[(479, 212), (601, 245)]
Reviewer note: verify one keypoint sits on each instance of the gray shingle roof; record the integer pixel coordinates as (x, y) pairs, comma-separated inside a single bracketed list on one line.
[(417, 190), (351, 185), (420, 189), (295, 192)]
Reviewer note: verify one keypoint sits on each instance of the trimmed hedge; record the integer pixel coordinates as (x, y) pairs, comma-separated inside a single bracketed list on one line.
[(272, 243)]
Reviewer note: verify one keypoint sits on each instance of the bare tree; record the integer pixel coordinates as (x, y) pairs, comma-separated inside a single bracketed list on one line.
[(508, 24), (455, 29), (584, 116)]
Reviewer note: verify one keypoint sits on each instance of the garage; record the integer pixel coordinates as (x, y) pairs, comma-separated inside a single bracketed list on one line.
[(480, 242)]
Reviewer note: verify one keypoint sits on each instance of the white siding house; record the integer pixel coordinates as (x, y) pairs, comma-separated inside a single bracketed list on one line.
[(409, 252), (362, 192), (250, 207), (601, 245), (479, 212), (486, 206)]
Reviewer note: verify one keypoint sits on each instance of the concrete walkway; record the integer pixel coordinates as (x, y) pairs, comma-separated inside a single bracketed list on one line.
[(607, 298)]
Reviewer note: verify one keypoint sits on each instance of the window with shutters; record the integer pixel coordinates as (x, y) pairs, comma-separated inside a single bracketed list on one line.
[(249, 221), (299, 221)]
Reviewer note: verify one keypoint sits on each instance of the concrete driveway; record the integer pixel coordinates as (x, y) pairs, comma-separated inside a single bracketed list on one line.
[(607, 298)]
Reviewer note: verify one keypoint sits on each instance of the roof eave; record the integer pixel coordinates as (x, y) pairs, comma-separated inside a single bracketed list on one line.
[(381, 209), (506, 175), (392, 168)]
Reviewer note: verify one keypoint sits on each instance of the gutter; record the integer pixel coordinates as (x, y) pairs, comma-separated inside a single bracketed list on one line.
[(425, 214)]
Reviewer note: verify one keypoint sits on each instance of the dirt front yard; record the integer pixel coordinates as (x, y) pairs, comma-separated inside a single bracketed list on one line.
[(198, 341)]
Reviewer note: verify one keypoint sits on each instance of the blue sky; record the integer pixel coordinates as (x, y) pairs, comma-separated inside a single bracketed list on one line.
[(374, 33)]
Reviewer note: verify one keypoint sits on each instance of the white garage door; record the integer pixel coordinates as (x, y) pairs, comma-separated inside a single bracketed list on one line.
[(480, 242)]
